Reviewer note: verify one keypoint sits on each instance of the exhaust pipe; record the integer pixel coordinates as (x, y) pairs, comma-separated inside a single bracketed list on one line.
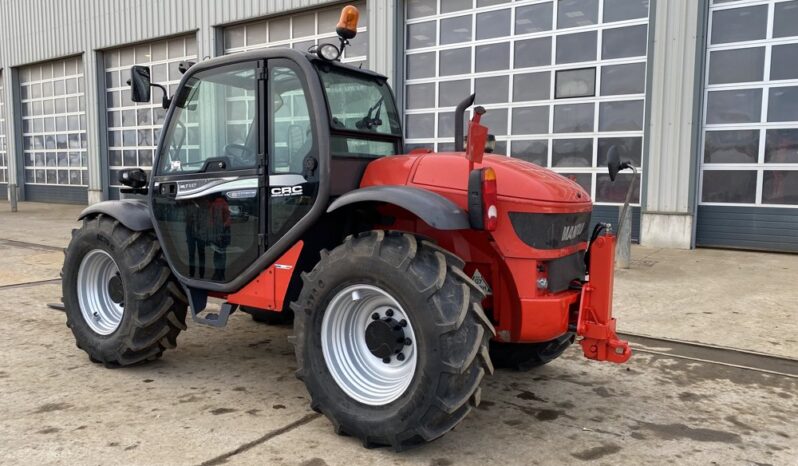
[(459, 122)]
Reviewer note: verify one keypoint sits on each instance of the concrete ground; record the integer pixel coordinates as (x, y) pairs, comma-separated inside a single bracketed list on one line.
[(738, 299), (229, 395)]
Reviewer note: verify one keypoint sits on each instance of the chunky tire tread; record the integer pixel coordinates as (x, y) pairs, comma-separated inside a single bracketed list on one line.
[(155, 306), (459, 323)]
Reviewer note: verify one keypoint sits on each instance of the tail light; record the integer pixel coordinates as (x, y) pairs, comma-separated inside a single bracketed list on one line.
[(483, 209)]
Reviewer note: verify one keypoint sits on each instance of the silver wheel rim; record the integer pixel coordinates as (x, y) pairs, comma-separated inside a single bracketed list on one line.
[(357, 371), (98, 309)]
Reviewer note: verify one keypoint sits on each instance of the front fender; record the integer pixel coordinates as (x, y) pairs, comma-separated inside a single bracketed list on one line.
[(434, 209), (132, 213)]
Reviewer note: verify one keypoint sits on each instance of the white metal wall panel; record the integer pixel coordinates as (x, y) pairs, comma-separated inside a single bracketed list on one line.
[(37, 30), (748, 195), (562, 81), (3, 152), (54, 123), (300, 31), (674, 90), (134, 128), (750, 150)]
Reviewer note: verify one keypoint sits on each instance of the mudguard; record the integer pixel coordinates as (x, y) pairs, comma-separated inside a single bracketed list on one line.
[(434, 209), (132, 213)]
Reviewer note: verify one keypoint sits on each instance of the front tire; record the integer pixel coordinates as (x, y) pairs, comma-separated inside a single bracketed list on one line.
[(122, 302), (348, 318), (526, 356)]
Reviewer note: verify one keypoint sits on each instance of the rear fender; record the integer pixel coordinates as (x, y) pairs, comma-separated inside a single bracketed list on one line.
[(134, 214), (434, 209)]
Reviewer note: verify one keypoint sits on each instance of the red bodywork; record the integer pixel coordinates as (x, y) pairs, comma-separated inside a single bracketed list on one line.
[(521, 311)]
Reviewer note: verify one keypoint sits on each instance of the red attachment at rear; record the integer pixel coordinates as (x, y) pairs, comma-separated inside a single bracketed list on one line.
[(595, 322), (267, 290)]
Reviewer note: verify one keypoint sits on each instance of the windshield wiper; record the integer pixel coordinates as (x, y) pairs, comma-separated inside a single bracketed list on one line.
[(367, 122)]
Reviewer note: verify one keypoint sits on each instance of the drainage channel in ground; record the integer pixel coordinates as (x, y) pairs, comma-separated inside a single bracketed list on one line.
[(714, 354), (25, 245)]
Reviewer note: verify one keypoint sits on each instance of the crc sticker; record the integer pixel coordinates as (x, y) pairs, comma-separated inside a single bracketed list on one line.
[(286, 191), (242, 194), (481, 283), (176, 165)]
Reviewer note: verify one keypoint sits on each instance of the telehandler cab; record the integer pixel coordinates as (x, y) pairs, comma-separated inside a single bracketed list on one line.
[(276, 189)]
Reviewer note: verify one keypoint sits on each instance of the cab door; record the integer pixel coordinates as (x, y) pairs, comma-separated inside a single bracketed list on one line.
[(209, 181), (293, 155)]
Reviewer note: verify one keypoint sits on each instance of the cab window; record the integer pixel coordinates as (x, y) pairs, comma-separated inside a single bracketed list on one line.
[(214, 120), (292, 137)]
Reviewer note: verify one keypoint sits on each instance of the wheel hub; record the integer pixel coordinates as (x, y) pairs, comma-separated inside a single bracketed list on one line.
[(385, 337), (100, 292), (115, 290), (368, 344)]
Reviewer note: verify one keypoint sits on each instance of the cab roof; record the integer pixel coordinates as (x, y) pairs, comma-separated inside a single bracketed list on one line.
[(281, 52)]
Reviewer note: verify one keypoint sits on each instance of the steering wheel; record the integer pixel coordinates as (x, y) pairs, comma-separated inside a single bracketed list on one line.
[(241, 155)]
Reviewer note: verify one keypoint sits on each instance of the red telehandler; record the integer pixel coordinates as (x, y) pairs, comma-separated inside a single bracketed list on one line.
[(276, 189)]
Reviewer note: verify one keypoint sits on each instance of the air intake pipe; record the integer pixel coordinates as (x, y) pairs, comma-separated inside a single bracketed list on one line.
[(459, 122)]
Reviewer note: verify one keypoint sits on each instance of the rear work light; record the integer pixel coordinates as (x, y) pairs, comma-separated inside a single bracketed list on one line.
[(483, 210)]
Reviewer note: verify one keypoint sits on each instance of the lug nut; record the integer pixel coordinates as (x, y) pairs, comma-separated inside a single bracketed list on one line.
[(400, 356), (386, 360), (403, 323), (408, 342), (389, 312), (375, 316)]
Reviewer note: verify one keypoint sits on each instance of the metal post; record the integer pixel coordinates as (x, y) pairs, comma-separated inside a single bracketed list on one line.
[(623, 252), (12, 196)]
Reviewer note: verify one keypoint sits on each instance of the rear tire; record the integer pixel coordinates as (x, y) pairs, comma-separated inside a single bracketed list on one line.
[(449, 351), (138, 317), (526, 356)]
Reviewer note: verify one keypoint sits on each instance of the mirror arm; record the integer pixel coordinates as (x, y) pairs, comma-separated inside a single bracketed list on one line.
[(344, 43), (165, 101)]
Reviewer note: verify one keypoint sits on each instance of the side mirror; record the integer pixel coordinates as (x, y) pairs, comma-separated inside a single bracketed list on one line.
[(140, 83), (614, 164), (490, 145), (135, 179)]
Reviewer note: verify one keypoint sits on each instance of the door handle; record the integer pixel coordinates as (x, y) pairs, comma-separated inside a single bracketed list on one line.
[(168, 189)]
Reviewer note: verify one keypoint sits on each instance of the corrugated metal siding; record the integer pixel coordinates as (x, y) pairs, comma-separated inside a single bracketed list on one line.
[(382, 36), (56, 194), (675, 88), (38, 30), (609, 214), (761, 228)]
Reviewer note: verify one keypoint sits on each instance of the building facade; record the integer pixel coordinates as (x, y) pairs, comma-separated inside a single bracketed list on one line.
[(702, 95)]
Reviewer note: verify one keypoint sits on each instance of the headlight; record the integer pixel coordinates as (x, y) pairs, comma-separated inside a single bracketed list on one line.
[(328, 52)]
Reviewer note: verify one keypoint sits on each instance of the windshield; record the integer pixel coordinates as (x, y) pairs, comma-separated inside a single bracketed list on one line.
[(214, 122), (362, 104)]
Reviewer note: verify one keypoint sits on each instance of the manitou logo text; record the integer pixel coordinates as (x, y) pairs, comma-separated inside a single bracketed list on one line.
[(287, 191), (571, 232)]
